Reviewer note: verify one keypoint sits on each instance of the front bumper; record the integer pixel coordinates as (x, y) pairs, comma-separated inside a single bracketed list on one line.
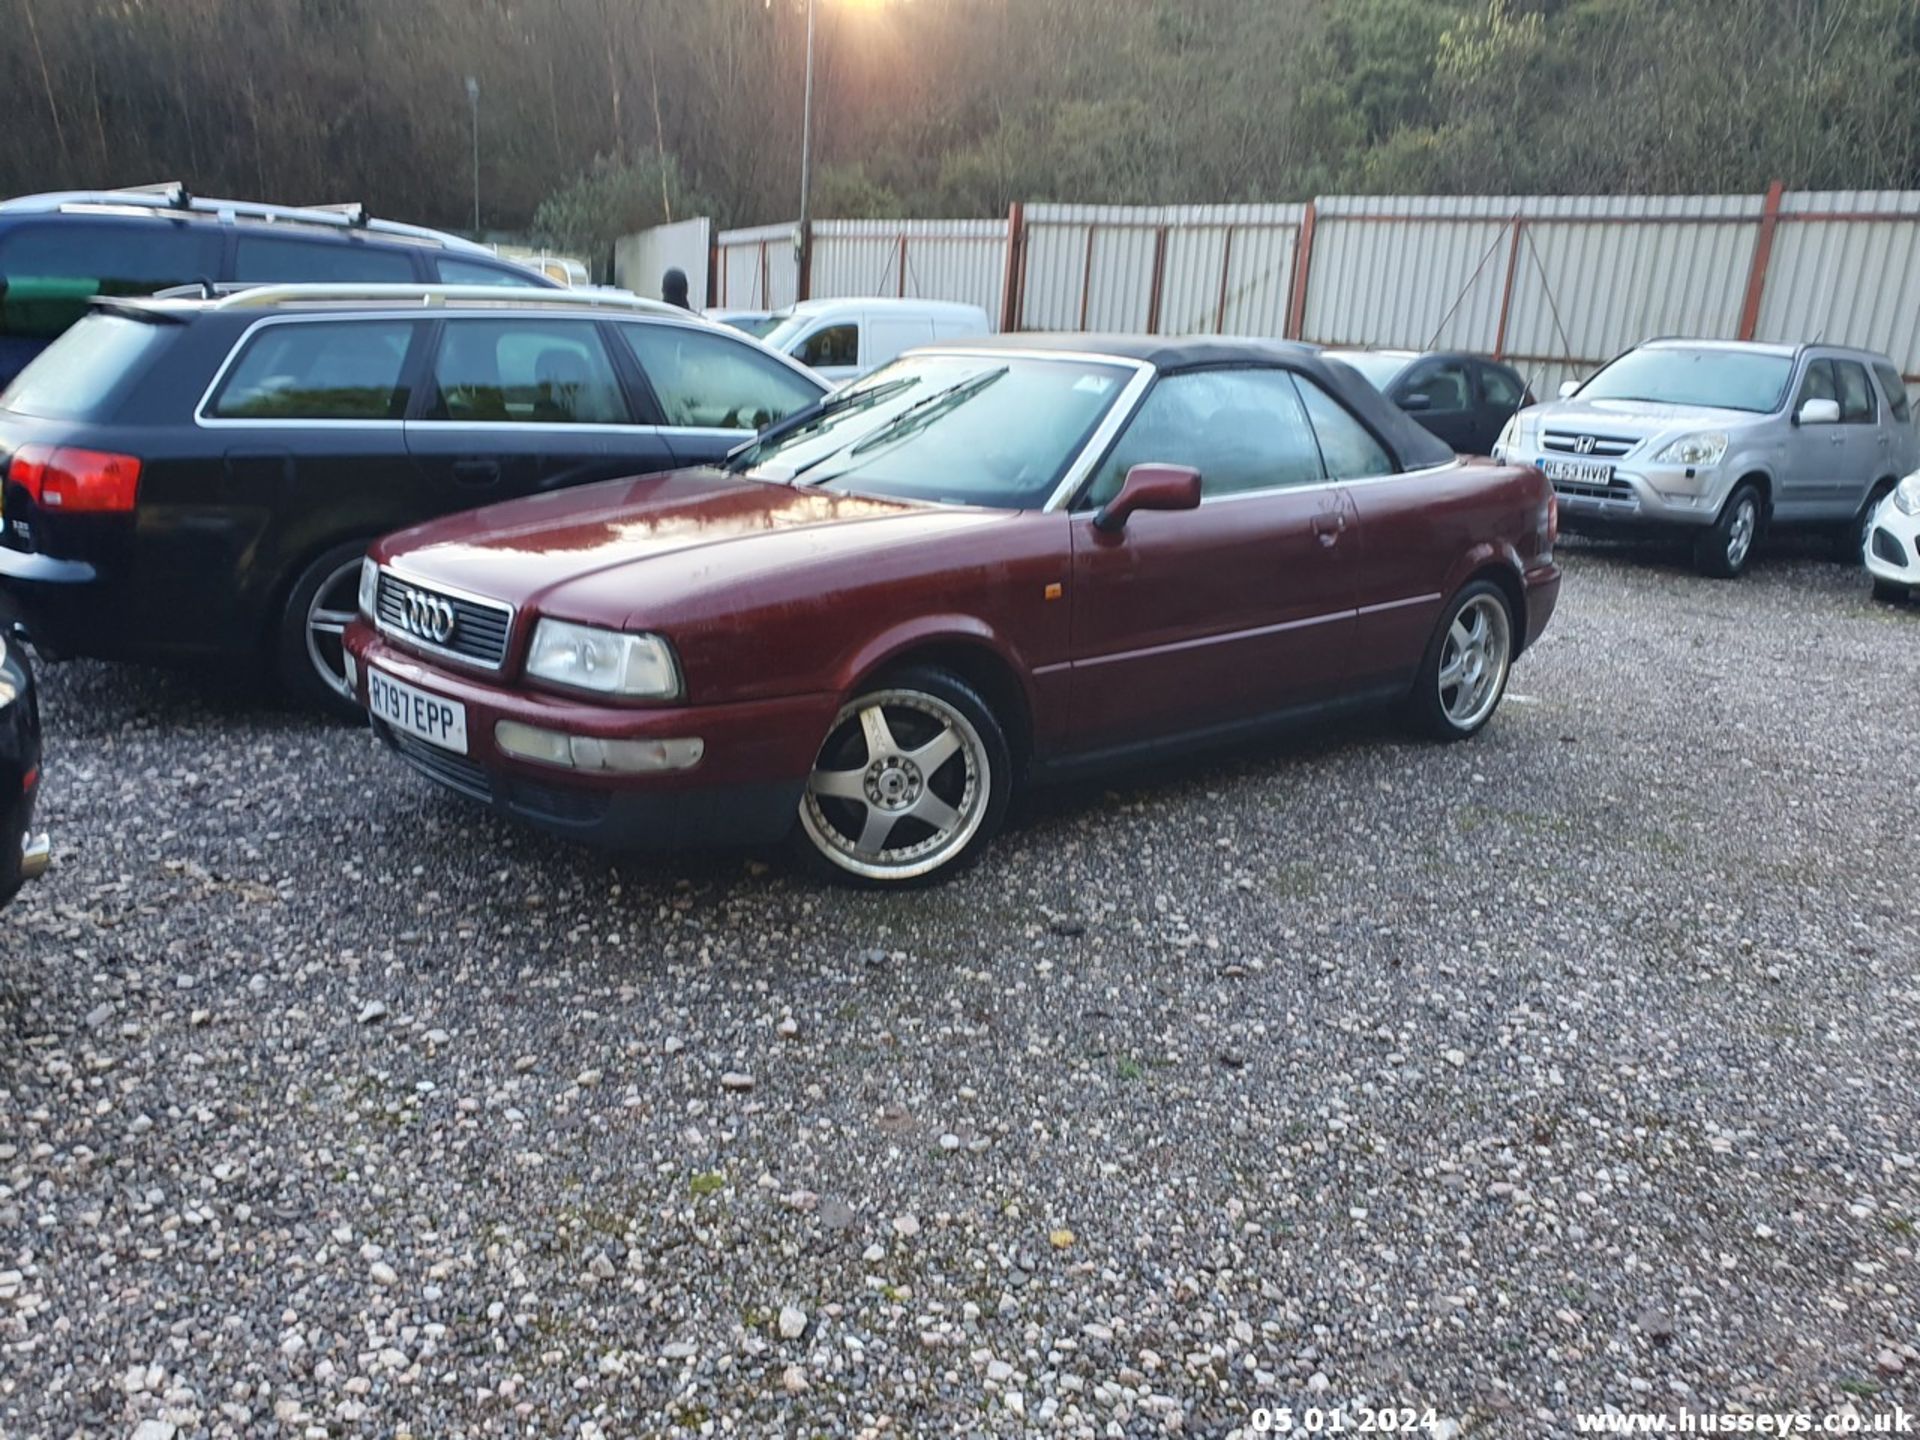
[(1892, 551), (745, 791), (1641, 497)]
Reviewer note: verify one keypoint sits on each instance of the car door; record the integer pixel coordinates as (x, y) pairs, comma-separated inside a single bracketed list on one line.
[(711, 389), (1813, 453), (310, 417), (1865, 448), (1188, 620), (1502, 394), (520, 403), (1440, 394)]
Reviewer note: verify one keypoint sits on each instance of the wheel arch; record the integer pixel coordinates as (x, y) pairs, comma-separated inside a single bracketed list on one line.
[(968, 649)]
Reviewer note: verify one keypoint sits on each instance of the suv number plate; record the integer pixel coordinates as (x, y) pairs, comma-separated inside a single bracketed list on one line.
[(435, 720), (1577, 472)]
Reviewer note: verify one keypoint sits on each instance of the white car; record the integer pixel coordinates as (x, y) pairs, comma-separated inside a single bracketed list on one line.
[(841, 340), (1892, 548)]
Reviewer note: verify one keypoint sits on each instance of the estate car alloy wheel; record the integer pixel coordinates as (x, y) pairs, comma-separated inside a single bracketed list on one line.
[(313, 628), (913, 775), (1465, 671)]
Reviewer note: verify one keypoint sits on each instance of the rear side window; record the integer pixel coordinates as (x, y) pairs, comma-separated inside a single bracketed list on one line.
[(1347, 446), (319, 262), (319, 370), (1895, 389), (476, 272), (49, 270), (1856, 395), (527, 372), (835, 346), (75, 377), (1502, 387), (709, 381)]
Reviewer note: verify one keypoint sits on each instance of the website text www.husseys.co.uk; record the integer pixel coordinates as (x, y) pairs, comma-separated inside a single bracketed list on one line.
[(1896, 1421)]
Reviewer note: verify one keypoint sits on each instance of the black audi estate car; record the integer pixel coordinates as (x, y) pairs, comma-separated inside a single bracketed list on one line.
[(196, 479), (59, 251), (23, 855)]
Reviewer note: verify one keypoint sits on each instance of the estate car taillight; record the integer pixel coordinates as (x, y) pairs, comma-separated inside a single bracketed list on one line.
[(76, 481)]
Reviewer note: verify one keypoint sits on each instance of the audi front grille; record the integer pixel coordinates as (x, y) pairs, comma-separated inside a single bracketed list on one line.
[(460, 626)]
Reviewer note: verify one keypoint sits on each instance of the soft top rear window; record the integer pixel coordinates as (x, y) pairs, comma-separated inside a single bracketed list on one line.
[(79, 375)]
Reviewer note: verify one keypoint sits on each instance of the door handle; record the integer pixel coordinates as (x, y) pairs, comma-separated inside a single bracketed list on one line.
[(1328, 526), (476, 472)]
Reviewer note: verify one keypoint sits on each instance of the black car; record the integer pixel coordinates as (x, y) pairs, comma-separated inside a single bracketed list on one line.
[(23, 855), (1464, 399), (197, 479), (59, 251)]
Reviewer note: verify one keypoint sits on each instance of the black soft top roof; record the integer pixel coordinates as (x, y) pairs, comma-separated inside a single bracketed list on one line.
[(1412, 445)]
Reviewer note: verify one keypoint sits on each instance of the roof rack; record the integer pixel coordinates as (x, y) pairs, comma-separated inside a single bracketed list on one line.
[(257, 297), (173, 195)]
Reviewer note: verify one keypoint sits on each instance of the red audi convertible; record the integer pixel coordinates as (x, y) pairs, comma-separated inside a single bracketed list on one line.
[(980, 568)]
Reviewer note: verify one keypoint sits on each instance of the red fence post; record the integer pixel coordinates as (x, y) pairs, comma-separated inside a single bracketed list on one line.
[(1762, 258), (1506, 294), (713, 267), (1302, 263), (1014, 280), (1159, 274), (803, 280)]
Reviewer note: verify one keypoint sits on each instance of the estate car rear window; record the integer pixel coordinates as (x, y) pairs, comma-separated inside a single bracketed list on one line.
[(73, 378), (1708, 377), (319, 370), (987, 430)]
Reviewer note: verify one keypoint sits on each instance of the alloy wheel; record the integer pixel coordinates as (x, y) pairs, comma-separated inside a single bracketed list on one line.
[(1746, 519), (329, 613), (900, 787), (1473, 661)]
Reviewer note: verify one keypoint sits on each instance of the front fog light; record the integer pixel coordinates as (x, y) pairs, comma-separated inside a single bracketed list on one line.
[(585, 752)]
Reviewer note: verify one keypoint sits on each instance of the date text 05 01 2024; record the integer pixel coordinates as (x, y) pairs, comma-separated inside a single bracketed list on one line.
[(1341, 1420)]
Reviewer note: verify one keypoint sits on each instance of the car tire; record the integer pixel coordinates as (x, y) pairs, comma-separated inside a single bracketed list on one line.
[(1851, 546), (1725, 547), (911, 780), (1890, 592), (307, 640), (1464, 672)]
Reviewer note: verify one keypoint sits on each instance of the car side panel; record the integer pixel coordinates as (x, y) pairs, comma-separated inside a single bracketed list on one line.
[(1421, 535)]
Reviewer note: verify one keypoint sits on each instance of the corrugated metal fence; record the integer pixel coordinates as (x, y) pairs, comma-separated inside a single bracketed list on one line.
[(1556, 284)]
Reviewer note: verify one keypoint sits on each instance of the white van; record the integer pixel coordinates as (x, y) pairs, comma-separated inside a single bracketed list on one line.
[(842, 339)]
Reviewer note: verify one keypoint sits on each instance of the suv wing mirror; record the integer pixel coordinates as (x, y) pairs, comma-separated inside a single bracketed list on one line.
[(1818, 412), (1569, 388), (1150, 487)]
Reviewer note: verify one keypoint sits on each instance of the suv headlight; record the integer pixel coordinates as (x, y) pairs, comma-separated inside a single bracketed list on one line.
[(1516, 437), (607, 662), (1707, 448), (369, 587), (1906, 495)]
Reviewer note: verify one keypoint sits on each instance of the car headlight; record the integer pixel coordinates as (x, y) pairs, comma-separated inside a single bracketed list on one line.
[(369, 587), (1707, 448), (607, 662), (1906, 495)]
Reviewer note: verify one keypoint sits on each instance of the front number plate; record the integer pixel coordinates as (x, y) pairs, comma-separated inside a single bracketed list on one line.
[(435, 720), (1577, 472)]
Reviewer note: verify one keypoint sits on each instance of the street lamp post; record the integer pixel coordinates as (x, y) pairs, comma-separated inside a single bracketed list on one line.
[(473, 105), (804, 241)]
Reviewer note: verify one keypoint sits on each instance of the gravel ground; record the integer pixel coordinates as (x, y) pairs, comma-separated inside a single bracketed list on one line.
[(1569, 1068)]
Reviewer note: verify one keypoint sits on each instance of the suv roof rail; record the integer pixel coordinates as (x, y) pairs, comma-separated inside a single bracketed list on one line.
[(172, 195), (257, 297)]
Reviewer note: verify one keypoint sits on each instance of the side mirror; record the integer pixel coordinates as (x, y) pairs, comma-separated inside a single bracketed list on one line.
[(1819, 412), (1150, 487), (1415, 401), (1569, 388)]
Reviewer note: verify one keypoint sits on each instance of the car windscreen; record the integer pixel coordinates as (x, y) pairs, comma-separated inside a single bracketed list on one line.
[(1379, 370), (990, 430), (1708, 377), (76, 376)]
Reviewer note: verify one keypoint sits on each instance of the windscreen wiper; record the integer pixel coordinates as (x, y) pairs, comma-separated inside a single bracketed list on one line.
[(813, 416)]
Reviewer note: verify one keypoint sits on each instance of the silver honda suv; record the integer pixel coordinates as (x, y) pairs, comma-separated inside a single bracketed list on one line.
[(1722, 439)]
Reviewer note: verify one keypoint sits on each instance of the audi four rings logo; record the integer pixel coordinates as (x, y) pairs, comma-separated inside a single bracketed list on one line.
[(1584, 444), (429, 617)]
